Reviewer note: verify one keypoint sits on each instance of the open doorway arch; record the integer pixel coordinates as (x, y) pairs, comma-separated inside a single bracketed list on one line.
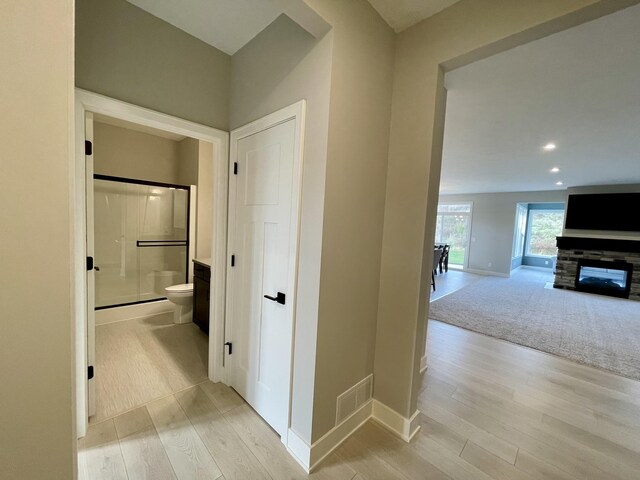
[(415, 155)]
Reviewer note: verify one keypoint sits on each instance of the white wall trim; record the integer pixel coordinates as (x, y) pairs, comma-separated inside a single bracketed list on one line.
[(423, 364), (309, 457), (487, 272), (299, 449), (405, 428), (193, 202), (533, 267), (91, 102), (323, 447)]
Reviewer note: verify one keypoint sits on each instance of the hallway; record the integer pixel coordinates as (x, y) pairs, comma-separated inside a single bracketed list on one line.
[(490, 410)]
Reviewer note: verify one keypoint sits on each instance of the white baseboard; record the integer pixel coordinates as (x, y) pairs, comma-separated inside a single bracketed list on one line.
[(128, 312), (405, 428), (310, 456), (423, 364), (533, 267), (299, 449), (487, 272)]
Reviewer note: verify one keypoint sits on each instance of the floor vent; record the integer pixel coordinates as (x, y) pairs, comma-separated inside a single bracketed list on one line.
[(351, 400)]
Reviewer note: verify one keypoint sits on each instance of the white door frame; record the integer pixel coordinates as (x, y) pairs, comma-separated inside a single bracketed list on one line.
[(91, 102), (89, 245), (294, 112)]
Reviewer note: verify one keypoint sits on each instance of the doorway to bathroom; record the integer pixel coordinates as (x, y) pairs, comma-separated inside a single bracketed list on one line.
[(142, 210), (154, 190)]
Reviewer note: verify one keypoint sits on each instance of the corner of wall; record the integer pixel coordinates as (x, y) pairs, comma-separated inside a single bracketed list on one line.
[(309, 456)]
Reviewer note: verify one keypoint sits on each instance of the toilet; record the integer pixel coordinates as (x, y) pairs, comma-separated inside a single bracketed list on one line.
[(182, 296)]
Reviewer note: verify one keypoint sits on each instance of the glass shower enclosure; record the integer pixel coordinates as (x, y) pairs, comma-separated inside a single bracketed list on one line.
[(141, 237)]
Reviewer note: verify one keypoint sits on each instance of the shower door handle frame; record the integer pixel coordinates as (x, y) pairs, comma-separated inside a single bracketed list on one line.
[(161, 243)]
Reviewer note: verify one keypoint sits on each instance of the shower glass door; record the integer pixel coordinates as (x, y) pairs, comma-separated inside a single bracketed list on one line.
[(141, 239)]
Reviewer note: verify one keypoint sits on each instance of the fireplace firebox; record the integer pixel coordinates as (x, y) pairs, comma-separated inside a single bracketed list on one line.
[(604, 277)]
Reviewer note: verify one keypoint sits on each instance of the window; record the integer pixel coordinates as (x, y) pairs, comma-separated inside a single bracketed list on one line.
[(534, 240), (544, 226), (453, 226), (520, 231)]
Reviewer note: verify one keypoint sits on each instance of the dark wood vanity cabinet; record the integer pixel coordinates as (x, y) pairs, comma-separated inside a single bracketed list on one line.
[(201, 289)]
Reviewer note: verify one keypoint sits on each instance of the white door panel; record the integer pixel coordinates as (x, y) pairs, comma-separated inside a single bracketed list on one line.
[(264, 209)]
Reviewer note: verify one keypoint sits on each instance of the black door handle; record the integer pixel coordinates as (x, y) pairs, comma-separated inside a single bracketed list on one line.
[(280, 298)]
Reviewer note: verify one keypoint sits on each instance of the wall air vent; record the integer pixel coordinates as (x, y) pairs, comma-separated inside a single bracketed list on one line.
[(354, 398)]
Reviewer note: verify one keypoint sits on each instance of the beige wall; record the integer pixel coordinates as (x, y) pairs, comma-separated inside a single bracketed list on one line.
[(196, 158), (188, 157), (204, 220), (493, 223), (126, 53), (360, 109), (37, 437), (280, 66), (121, 152), (465, 32)]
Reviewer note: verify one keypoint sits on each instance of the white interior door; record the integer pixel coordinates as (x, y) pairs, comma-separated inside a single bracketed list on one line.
[(91, 281), (264, 198)]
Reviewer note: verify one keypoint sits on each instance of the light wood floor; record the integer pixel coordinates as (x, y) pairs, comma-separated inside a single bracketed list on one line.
[(490, 410), (451, 281), (143, 359)]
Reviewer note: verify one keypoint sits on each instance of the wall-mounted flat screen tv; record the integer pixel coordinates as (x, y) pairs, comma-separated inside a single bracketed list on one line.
[(604, 211)]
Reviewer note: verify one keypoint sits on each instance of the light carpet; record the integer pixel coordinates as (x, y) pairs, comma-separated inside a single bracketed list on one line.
[(599, 331)]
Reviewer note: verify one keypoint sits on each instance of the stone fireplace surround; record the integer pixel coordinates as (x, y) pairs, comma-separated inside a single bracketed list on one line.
[(571, 249)]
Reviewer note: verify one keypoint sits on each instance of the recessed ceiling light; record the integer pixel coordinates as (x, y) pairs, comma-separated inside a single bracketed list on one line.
[(555, 170), (549, 146), (559, 183)]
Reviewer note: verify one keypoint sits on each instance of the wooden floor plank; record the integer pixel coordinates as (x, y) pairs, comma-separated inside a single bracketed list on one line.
[(265, 444), (539, 469), (353, 452), (491, 465), (222, 396), (441, 433), (431, 407), (232, 456), (99, 454), (593, 441), (143, 452), (397, 453), (446, 461), (188, 455)]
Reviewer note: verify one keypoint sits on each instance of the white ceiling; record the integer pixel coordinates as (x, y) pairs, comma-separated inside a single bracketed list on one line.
[(579, 89), (226, 24), (230, 24), (401, 14)]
